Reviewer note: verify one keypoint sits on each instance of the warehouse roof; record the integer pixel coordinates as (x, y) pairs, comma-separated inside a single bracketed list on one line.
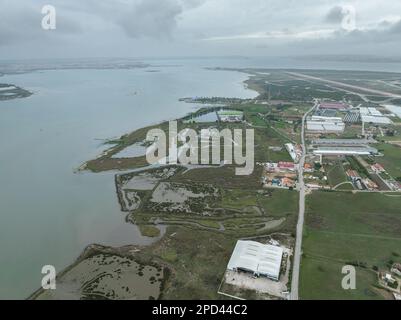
[(372, 115), (333, 105), (261, 259), (342, 142), (375, 119), (345, 151)]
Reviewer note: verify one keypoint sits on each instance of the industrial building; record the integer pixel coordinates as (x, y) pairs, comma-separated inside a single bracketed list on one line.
[(333, 106), (291, 150), (372, 115), (326, 113), (342, 142), (283, 165), (377, 168), (230, 116), (345, 151), (352, 117), (325, 124), (295, 151), (256, 258)]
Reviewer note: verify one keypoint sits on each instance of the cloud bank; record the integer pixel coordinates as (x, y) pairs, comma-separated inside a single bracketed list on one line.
[(198, 27)]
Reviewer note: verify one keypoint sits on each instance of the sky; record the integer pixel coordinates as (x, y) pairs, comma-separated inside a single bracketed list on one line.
[(178, 28)]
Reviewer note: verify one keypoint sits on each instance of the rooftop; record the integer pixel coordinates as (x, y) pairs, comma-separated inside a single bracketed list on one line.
[(341, 142), (346, 150), (261, 259), (333, 105)]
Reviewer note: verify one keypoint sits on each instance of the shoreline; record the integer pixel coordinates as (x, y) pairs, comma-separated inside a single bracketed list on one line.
[(128, 251), (95, 247)]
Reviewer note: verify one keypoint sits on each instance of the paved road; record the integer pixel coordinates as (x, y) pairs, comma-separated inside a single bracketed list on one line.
[(300, 224)]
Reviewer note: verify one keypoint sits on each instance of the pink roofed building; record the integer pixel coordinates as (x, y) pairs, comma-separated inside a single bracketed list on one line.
[(378, 168), (286, 165), (333, 105)]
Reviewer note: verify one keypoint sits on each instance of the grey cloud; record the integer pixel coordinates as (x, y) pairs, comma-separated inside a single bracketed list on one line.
[(22, 22), (151, 18), (335, 15), (155, 18), (384, 32), (17, 24), (379, 40), (136, 27), (396, 28)]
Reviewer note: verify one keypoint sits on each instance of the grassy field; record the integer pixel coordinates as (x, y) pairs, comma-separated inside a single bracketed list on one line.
[(222, 176), (149, 231), (391, 160), (198, 259), (345, 228), (253, 212), (335, 173), (312, 288)]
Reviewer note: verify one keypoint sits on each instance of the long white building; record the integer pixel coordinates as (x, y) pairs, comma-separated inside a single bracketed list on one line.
[(325, 124), (345, 151), (257, 258)]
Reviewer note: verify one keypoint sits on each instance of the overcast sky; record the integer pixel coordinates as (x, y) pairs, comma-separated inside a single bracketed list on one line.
[(142, 28)]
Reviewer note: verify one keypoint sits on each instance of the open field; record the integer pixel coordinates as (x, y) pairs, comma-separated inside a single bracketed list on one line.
[(251, 212), (221, 176), (335, 173), (192, 256), (287, 87), (345, 228), (391, 160)]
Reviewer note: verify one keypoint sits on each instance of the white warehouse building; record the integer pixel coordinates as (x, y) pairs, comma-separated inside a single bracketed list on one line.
[(372, 115), (257, 258), (345, 151), (325, 124)]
